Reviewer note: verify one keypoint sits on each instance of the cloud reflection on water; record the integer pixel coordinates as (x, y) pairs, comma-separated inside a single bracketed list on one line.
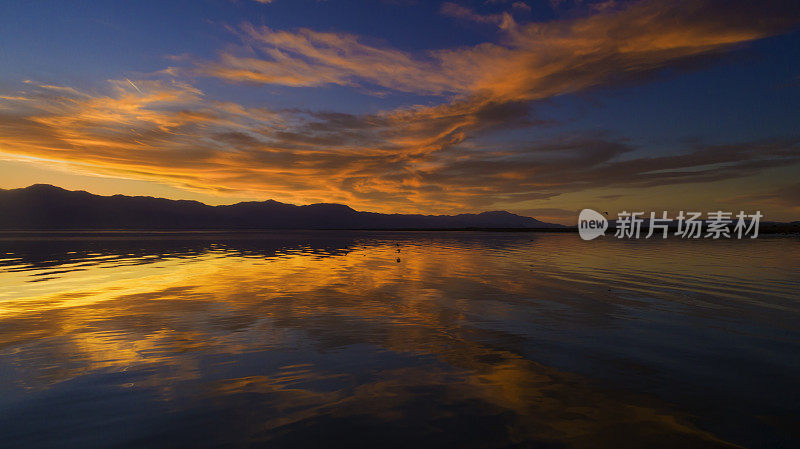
[(485, 340)]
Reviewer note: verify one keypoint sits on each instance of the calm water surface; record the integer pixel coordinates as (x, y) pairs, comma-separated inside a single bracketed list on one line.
[(376, 340)]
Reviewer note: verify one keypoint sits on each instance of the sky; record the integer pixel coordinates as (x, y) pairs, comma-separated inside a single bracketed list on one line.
[(538, 107)]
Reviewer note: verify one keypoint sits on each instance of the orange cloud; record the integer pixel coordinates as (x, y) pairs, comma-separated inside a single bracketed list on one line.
[(311, 58), (534, 61), (416, 158)]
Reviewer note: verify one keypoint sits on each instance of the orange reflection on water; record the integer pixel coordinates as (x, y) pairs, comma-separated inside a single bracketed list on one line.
[(342, 332)]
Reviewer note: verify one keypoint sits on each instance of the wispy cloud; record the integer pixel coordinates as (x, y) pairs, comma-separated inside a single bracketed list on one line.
[(415, 158), (533, 61), (310, 58), (172, 133), (503, 20)]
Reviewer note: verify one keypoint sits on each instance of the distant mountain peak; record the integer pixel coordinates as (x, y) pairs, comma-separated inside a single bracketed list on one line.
[(331, 206), (499, 213), (43, 188), (55, 208)]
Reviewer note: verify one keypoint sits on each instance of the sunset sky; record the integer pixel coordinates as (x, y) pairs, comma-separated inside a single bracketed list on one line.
[(538, 107)]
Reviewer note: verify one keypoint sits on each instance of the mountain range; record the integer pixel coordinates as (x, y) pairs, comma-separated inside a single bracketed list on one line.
[(46, 207)]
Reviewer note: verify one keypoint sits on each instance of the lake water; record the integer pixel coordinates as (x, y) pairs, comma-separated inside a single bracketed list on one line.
[(380, 340)]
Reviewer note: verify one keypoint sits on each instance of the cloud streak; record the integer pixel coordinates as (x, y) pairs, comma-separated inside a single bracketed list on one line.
[(415, 158), (533, 61)]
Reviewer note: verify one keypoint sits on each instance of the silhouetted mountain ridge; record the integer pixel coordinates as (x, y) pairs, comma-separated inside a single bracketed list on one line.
[(43, 206)]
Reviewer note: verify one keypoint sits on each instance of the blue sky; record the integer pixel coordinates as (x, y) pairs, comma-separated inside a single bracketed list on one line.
[(538, 107)]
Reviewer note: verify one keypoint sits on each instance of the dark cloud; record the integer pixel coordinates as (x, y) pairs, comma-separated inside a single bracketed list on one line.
[(413, 158)]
